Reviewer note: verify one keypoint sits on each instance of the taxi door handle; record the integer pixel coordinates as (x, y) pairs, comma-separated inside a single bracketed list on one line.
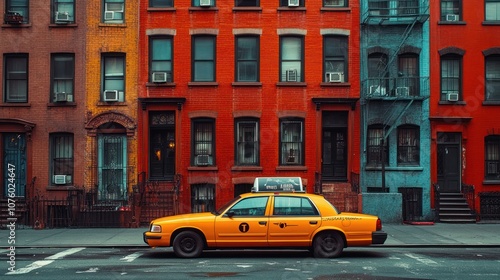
[(263, 223), (313, 222)]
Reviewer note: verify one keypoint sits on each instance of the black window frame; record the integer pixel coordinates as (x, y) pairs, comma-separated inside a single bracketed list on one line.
[(291, 151), (20, 75), (344, 3), (241, 61), (161, 3), (284, 3), (452, 82), (113, 20), (300, 73), (338, 54), (492, 157), (203, 142), (107, 79), (492, 78), (408, 152), (196, 3), (67, 72), (62, 157), (22, 9), (70, 12), (169, 73), (497, 2), (373, 153), (195, 61), (247, 3), (449, 13), (244, 145)]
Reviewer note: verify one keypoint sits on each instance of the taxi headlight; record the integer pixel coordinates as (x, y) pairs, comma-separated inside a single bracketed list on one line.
[(155, 228)]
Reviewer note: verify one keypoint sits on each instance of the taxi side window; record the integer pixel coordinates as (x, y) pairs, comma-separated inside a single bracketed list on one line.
[(253, 206), (293, 206)]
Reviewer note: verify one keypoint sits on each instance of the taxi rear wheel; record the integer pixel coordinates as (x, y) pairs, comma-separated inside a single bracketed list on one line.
[(188, 244), (328, 245)]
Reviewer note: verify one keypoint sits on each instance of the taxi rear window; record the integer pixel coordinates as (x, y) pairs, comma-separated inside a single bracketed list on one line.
[(278, 184), (293, 206)]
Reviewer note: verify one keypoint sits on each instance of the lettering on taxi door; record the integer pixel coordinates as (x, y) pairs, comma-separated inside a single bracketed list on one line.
[(244, 227)]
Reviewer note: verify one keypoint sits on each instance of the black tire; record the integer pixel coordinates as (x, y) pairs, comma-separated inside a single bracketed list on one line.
[(328, 245), (188, 244)]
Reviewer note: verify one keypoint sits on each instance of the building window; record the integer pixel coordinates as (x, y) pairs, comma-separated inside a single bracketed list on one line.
[(493, 77), (114, 77), (378, 7), (203, 3), (291, 142), (451, 77), (17, 11), (292, 3), (161, 3), (247, 142), (291, 59), (408, 145), (61, 158), (247, 59), (378, 81), (377, 148), (335, 3), (114, 11), (203, 59), (451, 10), (408, 83), (112, 167), (63, 75), (408, 7), (203, 136), (160, 59), (492, 162), (247, 3), (16, 78), (492, 10), (335, 51), (63, 11), (202, 198)]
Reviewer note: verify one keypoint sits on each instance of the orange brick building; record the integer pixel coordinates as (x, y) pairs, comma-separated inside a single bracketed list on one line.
[(233, 90)]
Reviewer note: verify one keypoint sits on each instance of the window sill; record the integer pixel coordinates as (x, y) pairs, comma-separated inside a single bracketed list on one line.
[(203, 9), (292, 9), (325, 84), (444, 102), (247, 9), (112, 24), (397, 168), (291, 84), (338, 9), (118, 103), (493, 22), (149, 84), (63, 25), (491, 182), (246, 84), (291, 168), (246, 168), (61, 104), (163, 9), (203, 168), (15, 105), (460, 22), (16, 25), (491, 103), (61, 188), (203, 84)]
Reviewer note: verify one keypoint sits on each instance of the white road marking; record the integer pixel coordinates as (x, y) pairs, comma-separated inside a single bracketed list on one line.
[(131, 257), (48, 260), (422, 260), (90, 270)]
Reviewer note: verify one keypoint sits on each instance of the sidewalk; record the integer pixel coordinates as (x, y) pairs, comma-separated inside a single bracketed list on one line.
[(399, 235)]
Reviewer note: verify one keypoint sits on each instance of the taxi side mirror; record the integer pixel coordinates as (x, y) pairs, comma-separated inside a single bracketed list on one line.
[(230, 214)]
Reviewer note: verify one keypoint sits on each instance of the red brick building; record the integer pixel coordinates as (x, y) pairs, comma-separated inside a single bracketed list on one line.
[(465, 98), (233, 90)]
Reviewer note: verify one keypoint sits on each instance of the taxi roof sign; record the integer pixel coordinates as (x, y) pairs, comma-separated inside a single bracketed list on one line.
[(278, 184)]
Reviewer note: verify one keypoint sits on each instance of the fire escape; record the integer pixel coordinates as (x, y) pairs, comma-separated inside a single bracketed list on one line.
[(388, 90)]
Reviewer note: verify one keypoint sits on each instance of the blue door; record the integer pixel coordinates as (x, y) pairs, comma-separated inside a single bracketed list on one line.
[(14, 164)]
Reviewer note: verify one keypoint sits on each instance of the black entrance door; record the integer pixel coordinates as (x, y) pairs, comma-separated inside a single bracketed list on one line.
[(335, 153), (162, 157), (448, 167)]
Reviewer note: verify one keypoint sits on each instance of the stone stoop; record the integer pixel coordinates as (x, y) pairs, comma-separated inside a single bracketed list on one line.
[(341, 196)]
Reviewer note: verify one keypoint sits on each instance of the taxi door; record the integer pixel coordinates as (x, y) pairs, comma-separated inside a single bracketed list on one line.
[(245, 224), (292, 222)]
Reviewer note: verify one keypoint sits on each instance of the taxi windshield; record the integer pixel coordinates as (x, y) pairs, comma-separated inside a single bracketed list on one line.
[(226, 205)]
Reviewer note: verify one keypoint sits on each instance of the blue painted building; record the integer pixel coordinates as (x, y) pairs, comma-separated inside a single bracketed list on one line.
[(395, 127)]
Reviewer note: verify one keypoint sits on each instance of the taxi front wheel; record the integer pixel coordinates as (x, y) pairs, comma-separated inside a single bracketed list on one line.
[(188, 244), (328, 245)]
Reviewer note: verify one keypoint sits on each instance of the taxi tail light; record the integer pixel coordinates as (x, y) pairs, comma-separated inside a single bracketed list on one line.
[(379, 224)]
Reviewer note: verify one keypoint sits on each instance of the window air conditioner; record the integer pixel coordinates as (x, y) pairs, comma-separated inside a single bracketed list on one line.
[(334, 3), (63, 97), (205, 3), (109, 15), (160, 77), (110, 95), (62, 17), (291, 75), (335, 77), (293, 3), (61, 179), (13, 17), (203, 160), (402, 91), (378, 91), (452, 96), (452, 17)]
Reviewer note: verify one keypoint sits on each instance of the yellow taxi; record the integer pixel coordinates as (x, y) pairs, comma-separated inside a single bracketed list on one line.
[(277, 214)]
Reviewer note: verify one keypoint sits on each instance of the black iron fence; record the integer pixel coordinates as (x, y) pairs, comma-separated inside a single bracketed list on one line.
[(490, 205)]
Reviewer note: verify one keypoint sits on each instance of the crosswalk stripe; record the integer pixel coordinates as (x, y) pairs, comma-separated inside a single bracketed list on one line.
[(48, 260), (131, 257)]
